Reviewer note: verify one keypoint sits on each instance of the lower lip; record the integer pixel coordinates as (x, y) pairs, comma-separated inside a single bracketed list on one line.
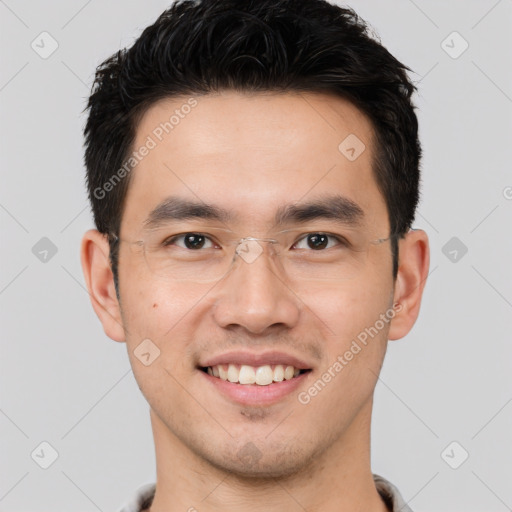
[(253, 394)]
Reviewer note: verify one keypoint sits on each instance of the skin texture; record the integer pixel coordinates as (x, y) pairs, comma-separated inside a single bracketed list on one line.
[(252, 153)]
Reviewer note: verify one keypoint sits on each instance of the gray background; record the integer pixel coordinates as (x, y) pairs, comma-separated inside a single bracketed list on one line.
[(62, 381)]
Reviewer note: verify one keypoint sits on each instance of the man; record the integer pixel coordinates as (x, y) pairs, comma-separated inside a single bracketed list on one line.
[(253, 170)]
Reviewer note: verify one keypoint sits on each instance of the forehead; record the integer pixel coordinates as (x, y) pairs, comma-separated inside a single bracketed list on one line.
[(253, 153)]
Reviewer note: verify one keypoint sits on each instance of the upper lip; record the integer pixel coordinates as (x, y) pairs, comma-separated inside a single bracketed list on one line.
[(252, 359)]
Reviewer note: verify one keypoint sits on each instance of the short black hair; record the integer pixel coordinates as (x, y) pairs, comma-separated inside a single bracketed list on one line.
[(198, 47)]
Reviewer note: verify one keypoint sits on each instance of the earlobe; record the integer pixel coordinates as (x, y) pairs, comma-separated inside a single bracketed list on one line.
[(414, 260), (100, 283)]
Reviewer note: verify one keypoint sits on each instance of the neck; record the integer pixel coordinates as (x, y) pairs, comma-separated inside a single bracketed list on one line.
[(339, 479)]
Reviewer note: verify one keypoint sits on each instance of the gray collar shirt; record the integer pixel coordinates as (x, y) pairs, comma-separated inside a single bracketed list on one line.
[(143, 497)]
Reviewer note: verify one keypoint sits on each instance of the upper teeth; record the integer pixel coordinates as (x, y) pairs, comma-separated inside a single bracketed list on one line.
[(261, 375)]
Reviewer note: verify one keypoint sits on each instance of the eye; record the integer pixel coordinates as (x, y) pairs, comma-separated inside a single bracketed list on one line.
[(318, 241), (192, 241)]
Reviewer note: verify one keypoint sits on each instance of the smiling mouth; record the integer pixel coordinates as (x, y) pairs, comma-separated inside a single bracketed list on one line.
[(253, 375)]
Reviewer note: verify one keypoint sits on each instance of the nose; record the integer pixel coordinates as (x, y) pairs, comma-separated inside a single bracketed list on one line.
[(254, 295)]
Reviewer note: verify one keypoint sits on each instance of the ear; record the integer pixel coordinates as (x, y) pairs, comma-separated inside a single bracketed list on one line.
[(413, 265), (100, 283)]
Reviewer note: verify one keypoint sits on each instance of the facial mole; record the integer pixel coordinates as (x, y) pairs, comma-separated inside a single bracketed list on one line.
[(155, 305)]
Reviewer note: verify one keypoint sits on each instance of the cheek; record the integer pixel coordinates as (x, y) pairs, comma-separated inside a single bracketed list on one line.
[(148, 305), (166, 313), (357, 342), (159, 322), (347, 308), (154, 310)]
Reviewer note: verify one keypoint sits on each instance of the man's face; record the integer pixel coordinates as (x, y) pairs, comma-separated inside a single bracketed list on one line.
[(252, 155)]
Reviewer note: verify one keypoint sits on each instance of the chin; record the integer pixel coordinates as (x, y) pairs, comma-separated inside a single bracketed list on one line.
[(249, 462)]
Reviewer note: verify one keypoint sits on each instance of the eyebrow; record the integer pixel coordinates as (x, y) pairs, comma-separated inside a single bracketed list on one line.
[(338, 208), (176, 208), (335, 207)]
